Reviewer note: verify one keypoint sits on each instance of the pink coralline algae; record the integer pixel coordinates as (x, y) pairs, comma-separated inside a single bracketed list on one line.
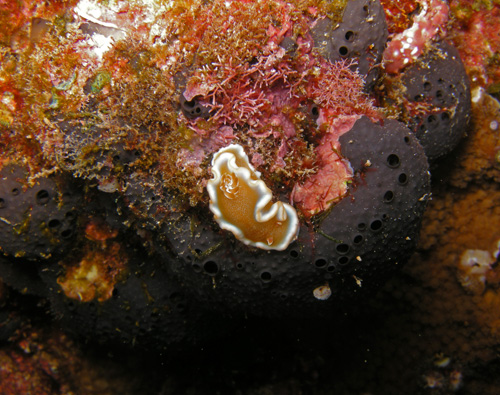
[(475, 33), (190, 159), (405, 47), (329, 184)]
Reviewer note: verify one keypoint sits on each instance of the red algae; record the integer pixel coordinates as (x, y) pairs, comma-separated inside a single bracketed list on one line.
[(19, 17), (406, 46), (97, 82), (38, 359), (329, 185), (339, 91), (476, 37), (399, 14)]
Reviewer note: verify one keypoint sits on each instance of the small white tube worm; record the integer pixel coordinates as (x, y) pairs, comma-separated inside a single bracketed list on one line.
[(242, 203)]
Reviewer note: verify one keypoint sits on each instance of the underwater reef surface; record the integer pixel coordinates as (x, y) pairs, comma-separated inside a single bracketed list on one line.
[(367, 129)]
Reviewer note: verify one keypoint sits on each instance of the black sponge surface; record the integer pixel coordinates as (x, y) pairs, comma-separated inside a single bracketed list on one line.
[(439, 79), (361, 36), (349, 249), (37, 220)]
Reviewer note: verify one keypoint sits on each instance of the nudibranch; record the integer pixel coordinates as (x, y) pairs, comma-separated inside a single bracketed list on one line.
[(242, 203)]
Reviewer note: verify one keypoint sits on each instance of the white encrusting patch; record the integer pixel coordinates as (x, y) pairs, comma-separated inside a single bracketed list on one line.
[(323, 292)]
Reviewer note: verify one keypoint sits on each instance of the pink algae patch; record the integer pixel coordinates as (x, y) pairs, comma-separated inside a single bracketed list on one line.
[(190, 159), (407, 46), (329, 185)]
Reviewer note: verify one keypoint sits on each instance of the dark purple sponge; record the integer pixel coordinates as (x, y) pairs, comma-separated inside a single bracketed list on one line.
[(147, 310), (36, 221), (351, 248), (439, 81), (361, 35)]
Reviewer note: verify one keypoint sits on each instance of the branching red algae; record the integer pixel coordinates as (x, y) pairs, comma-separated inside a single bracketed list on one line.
[(475, 35), (86, 98)]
